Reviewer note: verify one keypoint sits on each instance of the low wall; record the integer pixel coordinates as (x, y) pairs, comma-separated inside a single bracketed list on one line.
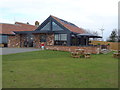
[(90, 49)]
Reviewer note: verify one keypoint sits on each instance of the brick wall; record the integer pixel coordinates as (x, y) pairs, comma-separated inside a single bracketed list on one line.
[(36, 40), (49, 40), (18, 40), (14, 41), (93, 50), (22, 40)]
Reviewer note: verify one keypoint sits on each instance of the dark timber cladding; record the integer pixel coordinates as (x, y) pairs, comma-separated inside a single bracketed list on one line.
[(65, 33)]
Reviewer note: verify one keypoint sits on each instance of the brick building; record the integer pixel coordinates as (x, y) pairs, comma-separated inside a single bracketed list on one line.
[(7, 35), (56, 33)]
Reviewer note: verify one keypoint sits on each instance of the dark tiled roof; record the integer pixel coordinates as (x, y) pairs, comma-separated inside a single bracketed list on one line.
[(9, 28), (70, 26)]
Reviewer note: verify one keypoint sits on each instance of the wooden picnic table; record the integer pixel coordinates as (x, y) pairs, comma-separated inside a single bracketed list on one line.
[(80, 53), (118, 51), (75, 54), (116, 55), (87, 55)]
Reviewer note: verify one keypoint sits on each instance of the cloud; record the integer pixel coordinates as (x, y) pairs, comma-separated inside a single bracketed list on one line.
[(90, 14)]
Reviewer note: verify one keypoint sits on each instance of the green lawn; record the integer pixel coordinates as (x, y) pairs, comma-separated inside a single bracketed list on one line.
[(56, 69)]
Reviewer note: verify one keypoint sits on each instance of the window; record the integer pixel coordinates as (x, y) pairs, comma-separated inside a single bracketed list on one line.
[(56, 37), (61, 39), (42, 38), (29, 38), (4, 39), (0, 38), (46, 27), (64, 37), (55, 27)]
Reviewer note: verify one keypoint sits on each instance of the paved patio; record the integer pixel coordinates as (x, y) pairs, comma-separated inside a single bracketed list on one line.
[(4, 51)]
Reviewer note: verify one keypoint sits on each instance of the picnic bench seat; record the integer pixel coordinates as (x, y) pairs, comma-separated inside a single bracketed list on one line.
[(79, 53), (87, 55), (75, 54), (116, 55)]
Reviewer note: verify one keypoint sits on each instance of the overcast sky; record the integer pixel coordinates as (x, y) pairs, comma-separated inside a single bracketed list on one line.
[(88, 14)]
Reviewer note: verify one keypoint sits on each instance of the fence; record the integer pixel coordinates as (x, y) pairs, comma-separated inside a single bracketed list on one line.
[(113, 45)]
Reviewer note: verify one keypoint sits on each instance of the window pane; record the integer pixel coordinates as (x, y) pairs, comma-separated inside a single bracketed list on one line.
[(55, 27), (56, 37), (46, 27), (61, 37), (4, 39), (0, 38), (64, 37)]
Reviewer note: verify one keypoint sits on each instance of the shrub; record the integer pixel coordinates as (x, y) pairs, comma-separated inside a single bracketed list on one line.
[(98, 43), (108, 44)]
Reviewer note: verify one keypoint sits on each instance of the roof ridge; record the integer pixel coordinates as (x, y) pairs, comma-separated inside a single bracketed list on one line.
[(8, 23), (23, 23), (17, 23), (65, 21)]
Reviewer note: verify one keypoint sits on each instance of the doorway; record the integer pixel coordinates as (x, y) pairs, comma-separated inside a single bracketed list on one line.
[(29, 38)]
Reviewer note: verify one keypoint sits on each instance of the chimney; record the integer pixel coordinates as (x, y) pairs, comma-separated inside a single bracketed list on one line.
[(27, 22), (36, 23)]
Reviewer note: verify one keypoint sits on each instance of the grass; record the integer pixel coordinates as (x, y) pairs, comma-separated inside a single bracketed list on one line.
[(56, 69)]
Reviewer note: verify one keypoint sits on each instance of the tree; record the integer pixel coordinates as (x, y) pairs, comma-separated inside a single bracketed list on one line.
[(113, 37)]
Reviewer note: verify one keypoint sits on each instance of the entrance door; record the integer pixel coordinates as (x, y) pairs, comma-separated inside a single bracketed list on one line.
[(29, 40)]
